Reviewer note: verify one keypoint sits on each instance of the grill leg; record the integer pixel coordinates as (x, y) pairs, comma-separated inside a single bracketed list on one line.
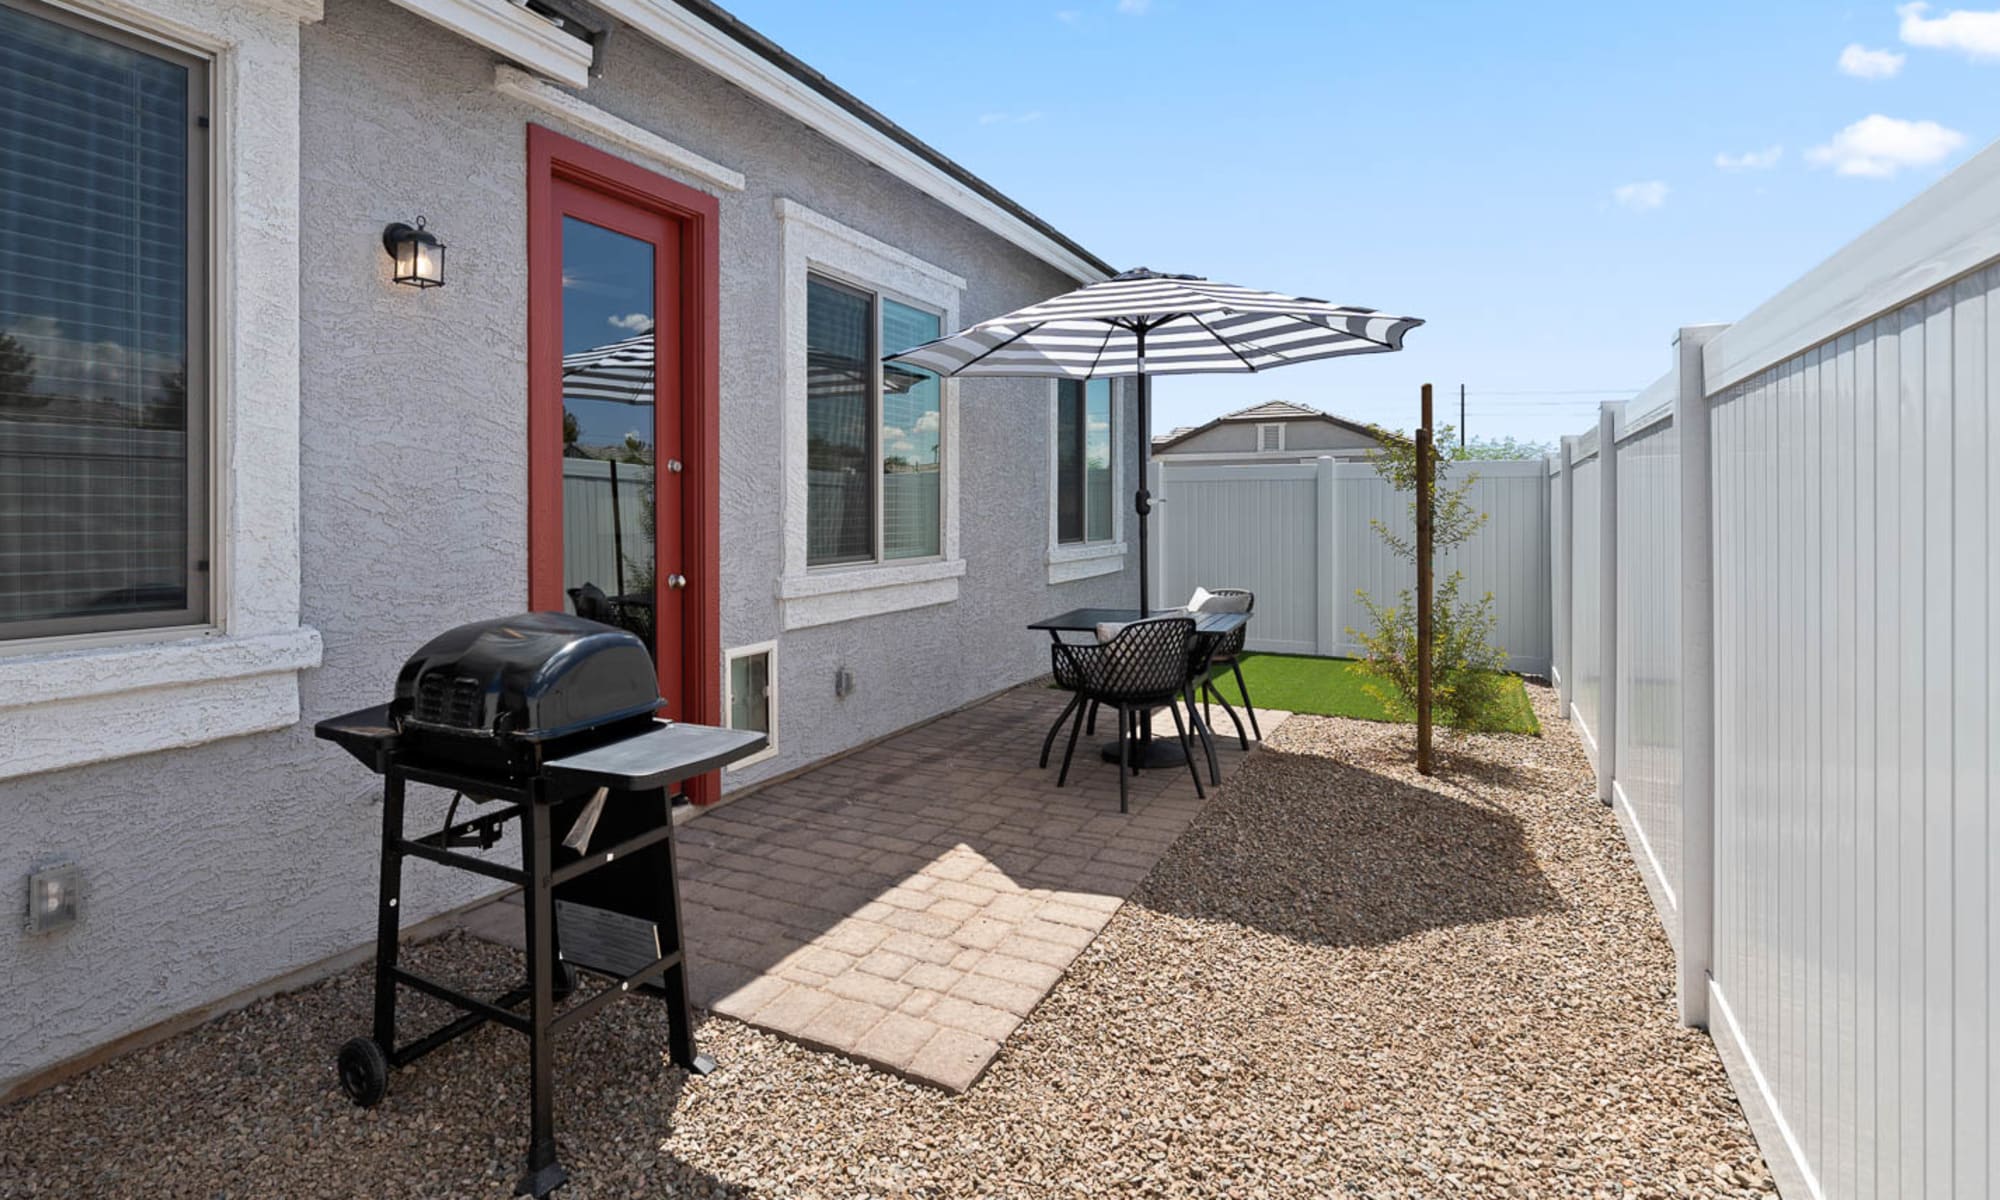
[(680, 1012), (544, 1173), (388, 908)]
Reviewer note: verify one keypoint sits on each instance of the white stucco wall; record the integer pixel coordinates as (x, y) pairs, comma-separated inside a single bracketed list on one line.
[(213, 868)]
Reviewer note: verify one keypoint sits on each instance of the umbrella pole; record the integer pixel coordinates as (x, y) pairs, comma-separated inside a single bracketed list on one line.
[(1142, 500)]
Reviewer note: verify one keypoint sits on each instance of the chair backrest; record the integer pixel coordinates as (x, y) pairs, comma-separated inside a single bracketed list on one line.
[(1148, 659), (592, 604), (1231, 643)]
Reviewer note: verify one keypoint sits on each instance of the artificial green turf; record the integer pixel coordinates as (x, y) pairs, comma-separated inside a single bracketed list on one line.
[(1335, 687)]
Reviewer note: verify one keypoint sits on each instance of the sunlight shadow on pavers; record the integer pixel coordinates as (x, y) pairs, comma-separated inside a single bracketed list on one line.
[(910, 904)]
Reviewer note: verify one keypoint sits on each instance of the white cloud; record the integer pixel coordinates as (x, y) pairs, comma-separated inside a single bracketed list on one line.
[(1862, 63), (1069, 16), (104, 369), (632, 322), (1134, 8), (1007, 118), (1971, 32), (1877, 146), (1640, 197), (1751, 160)]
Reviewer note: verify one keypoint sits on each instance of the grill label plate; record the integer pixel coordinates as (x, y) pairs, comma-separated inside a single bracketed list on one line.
[(610, 943)]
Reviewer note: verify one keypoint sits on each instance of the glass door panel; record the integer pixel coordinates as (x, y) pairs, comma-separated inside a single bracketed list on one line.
[(609, 428)]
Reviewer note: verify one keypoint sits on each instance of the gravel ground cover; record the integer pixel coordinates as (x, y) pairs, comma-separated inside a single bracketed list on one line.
[(1337, 983)]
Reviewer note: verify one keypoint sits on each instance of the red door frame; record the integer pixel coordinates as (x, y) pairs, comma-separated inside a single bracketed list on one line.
[(552, 158)]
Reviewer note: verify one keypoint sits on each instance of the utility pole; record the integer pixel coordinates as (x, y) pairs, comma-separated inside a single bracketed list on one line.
[(1461, 416), (1426, 485)]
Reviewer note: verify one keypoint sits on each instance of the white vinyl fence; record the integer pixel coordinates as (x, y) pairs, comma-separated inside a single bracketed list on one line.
[(1782, 635), (604, 531), (1298, 535)]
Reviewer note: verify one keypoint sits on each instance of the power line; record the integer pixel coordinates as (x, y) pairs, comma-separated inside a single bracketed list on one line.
[(1569, 392)]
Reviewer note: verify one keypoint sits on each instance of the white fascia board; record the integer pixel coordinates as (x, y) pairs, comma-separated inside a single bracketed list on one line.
[(522, 85), (686, 34), (513, 33), (1947, 231)]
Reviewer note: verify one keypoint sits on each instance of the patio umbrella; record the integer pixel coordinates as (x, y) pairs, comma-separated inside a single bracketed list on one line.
[(621, 372), (1144, 323)]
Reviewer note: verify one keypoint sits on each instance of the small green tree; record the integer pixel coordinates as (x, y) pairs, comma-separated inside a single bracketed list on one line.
[(1493, 448), (1465, 666)]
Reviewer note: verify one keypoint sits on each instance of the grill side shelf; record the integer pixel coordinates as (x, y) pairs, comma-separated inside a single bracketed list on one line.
[(366, 733), (664, 755)]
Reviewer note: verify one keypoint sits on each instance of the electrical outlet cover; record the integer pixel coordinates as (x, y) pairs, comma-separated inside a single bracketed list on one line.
[(53, 893)]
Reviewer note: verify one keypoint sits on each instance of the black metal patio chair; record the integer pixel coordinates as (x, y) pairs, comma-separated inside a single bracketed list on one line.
[(1225, 656), (1144, 667)]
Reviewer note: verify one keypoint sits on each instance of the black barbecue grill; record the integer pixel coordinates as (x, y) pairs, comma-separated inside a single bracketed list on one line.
[(552, 718)]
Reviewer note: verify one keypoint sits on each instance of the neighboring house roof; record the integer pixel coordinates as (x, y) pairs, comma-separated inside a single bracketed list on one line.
[(1267, 412)]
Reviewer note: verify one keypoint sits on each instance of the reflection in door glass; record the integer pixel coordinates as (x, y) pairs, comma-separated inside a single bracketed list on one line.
[(608, 427)]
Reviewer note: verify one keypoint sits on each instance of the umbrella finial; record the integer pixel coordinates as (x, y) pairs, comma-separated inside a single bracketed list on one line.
[(1150, 273)]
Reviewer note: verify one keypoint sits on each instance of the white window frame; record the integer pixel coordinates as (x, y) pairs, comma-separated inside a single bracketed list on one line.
[(770, 651), (1277, 449), (815, 244), (1071, 561), (237, 673)]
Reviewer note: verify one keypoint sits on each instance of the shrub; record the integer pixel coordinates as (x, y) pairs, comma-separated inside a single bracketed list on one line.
[(1464, 662), (1465, 667)]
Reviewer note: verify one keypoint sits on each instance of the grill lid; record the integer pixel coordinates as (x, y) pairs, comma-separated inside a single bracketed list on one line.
[(532, 677)]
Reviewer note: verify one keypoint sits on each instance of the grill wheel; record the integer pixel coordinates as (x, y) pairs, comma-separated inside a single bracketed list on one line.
[(364, 1071)]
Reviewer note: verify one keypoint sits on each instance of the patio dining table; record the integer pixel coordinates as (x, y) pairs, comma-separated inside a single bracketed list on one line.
[(1210, 627)]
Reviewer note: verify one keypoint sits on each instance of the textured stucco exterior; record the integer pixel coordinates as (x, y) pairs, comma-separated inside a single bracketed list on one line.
[(213, 868)]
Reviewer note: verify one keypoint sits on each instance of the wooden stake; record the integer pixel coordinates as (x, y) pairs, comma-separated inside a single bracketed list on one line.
[(1426, 488)]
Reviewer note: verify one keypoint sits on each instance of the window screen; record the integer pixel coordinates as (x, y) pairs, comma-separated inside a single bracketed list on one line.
[(102, 399), (840, 458), (912, 439)]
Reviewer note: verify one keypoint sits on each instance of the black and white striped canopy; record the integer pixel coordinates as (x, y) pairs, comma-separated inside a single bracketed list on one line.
[(1188, 325), (621, 372)]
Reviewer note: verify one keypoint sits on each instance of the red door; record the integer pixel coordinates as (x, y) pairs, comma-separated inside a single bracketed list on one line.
[(621, 421)]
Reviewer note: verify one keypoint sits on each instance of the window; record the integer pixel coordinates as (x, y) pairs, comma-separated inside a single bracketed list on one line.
[(874, 435), (870, 509), (1083, 461), (750, 693), (1270, 437), (103, 389)]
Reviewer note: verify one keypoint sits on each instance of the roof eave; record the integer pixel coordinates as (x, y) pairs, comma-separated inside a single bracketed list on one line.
[(726, 47)]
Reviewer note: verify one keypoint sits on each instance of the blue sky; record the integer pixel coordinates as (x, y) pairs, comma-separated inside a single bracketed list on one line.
[(1457, 162)]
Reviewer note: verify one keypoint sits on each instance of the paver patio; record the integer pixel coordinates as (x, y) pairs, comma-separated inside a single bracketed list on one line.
[(908, 905)]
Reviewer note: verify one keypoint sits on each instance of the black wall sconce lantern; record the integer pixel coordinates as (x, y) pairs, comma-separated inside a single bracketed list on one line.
[(418, 255)]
